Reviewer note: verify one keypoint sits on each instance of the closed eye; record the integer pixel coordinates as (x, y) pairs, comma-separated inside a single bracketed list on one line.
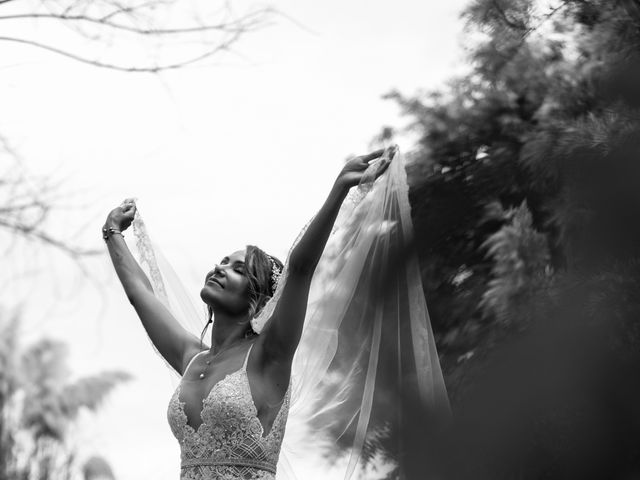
[(238, 265)]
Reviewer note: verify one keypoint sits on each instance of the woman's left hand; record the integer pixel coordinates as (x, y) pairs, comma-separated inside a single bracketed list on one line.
[(354, 169)]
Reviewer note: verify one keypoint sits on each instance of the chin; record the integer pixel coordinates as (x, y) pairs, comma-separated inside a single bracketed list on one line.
[(207, 295)]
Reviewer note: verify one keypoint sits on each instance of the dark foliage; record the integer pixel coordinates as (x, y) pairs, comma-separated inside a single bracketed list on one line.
[(526, 204)]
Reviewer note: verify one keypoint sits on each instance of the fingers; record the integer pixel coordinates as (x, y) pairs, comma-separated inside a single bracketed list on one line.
[(128, 203), (127, 208), (383, 168), (372, 155)]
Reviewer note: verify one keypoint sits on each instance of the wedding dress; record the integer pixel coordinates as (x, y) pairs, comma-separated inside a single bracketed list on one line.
[(366, 374), (230, 443)]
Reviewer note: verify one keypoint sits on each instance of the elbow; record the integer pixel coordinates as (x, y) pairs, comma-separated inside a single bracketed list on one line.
[(136, 292), (133, 298)]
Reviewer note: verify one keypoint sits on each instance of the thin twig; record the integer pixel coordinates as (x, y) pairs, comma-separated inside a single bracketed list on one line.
[(236, 26), (112, 66), (21, 207), (129, 10), (8, 148), (31, 232)]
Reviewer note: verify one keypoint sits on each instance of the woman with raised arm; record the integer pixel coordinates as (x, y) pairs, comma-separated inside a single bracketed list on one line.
[(230, 409)]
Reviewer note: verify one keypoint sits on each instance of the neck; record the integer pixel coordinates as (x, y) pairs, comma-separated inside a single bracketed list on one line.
[(227, 331)]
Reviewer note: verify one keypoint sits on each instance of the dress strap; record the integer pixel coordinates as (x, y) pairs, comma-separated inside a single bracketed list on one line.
[(246, 359), (191, 361)]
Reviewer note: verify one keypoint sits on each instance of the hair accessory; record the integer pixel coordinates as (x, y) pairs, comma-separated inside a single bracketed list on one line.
[(275, 273), (106, 232)]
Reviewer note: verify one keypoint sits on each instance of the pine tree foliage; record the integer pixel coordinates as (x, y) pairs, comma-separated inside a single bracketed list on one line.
[(521, 259), (525, 189), (546, 116)]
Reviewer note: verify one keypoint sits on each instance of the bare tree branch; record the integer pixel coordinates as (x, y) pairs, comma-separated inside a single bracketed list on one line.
[(113, 22), (241, 25), (120, 10), (31, 232), (130, 69), (26, 202), (20, 208)]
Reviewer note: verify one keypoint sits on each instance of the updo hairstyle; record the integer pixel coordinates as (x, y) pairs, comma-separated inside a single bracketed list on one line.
[(258, 268)]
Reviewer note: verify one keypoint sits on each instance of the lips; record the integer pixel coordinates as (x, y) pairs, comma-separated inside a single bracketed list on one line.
[(216, 281)]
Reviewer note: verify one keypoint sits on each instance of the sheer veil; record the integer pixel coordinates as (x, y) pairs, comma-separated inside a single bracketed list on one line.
[(366, 373)]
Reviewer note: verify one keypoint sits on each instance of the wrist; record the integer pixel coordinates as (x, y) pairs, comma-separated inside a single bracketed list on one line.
[(342, 186), (108, 232), (110, 223)]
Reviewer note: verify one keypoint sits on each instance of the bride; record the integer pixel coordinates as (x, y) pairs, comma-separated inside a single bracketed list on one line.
[(230, 408)]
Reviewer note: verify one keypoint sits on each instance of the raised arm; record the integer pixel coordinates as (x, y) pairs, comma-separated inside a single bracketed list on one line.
[(173, 342), (283, 330)]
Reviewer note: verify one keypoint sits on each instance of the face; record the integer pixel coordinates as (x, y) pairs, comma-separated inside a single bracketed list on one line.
[(226, 286)]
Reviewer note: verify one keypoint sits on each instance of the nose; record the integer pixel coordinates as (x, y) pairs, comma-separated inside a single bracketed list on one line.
[(218, 269)]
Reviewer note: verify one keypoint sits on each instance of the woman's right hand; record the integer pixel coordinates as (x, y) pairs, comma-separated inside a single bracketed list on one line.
[(121, 217)]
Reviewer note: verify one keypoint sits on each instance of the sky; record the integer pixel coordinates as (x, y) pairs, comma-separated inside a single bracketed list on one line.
[(219, 156)]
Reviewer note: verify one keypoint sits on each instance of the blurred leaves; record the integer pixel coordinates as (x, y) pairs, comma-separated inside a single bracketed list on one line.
[(521, 259), (39, 404), (97, 468)]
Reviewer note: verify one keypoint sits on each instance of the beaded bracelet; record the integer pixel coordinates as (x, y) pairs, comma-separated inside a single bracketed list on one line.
[(110, 231)]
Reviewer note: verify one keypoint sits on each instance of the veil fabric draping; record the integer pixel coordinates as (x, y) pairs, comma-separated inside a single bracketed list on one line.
[(366, 367)]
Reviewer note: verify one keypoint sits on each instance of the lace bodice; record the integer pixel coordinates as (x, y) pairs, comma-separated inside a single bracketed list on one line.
[(229, 444)]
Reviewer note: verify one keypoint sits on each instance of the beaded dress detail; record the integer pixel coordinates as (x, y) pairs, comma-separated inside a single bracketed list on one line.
[(229, 444)]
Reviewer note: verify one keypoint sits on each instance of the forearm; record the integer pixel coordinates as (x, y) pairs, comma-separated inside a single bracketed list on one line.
[(131, 276), (307, 252)]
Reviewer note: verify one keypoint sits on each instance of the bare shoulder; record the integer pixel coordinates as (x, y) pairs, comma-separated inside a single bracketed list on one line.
[(189, 352)]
